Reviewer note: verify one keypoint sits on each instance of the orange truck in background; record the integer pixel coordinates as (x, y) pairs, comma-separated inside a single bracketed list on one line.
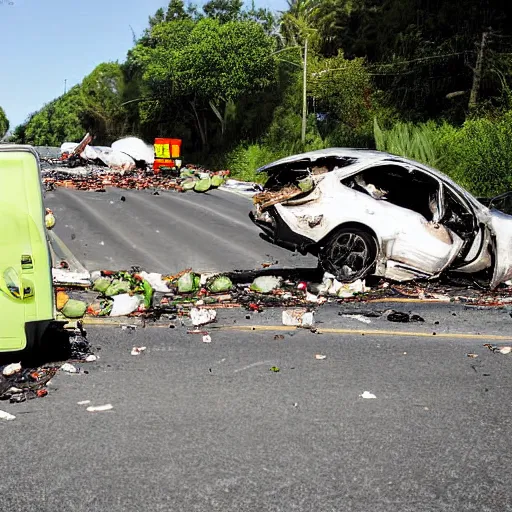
[(167, 154)]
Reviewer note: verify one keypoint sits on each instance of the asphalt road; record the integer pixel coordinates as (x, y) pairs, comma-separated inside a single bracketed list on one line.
[(164, 233), (208, 427)]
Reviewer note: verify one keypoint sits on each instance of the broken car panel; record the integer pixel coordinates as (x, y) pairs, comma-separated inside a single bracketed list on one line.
[(368, 212)]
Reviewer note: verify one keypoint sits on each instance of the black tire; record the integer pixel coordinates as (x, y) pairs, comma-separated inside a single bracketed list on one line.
[(349, 254)]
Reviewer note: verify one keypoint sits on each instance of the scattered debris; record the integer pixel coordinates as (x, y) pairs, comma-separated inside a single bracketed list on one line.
[(398, 316), (501, 350), (74, 309), (265, 284), (207, 338), (69, 368), (472, 356), (320, 357), (367, 394), (279, 337), (136, 351), (100, 408), (6, 416), (274, 369), (202, 316), (11, 369), (125, 304), (84, 402), (360, 318), (298, 318)]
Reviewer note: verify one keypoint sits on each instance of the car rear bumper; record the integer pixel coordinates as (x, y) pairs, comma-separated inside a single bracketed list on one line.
[(279, 233)]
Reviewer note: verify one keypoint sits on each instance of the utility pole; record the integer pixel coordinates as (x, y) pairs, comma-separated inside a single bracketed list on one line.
[(65, 85), (477, 75), (304, 92)]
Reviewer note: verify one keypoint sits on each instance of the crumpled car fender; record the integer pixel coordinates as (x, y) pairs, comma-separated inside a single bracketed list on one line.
[(501, 227)]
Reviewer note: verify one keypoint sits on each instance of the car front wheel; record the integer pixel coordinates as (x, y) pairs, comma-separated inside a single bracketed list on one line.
[(349, 254)]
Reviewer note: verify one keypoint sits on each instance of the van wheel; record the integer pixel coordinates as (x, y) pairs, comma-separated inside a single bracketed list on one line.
[(349, 254)]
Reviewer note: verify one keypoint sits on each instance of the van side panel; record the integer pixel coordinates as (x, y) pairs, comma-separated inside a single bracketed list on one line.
[(24, 250)]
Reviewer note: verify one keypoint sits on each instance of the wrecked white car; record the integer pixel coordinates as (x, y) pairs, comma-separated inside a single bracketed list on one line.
[(366, 212)]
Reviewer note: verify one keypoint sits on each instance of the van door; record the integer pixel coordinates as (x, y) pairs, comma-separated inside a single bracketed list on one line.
[(26, 291)]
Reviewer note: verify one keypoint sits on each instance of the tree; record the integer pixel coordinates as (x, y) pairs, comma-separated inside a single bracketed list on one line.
[(159, 17), (176, 11), (4, 123), (202, 68), (223, 10), (102, 94), (57, 122)]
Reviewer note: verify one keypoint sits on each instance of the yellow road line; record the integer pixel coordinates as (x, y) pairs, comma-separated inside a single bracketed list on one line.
[(413, 301), (383, 332), (326, 330)]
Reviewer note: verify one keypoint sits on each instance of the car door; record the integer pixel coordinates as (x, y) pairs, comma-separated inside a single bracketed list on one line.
[(501, 226), (26, 294), (405, 212)]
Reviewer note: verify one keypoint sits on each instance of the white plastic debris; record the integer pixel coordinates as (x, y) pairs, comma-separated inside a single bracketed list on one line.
[(11, 369), (206, 276), (69, 368), (347, 290), (367, 394), (125, 304), (136, 148), (84, 402), (100, 408), (156, 281), (136, 351), (505, 350), (320, 357), (360, 318), (6, 416), (65, 277), (207, 338), (310, 297), (298, 318), (91, 358), (202, 316)]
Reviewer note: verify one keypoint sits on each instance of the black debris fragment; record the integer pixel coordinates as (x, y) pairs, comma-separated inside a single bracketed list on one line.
[(398, 316)]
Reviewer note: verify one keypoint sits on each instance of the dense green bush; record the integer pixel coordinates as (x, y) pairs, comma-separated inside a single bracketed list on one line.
[(245, 159), (477, 155)]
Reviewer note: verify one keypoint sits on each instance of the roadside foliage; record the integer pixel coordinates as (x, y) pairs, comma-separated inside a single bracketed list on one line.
[(229, 81)]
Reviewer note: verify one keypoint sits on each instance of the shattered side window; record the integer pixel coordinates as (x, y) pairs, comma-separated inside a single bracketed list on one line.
[(290, 174), (502, 203), (401, 186), (457, 217)]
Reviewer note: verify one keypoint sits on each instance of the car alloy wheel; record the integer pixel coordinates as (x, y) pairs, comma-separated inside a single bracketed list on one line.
[(349, 254)]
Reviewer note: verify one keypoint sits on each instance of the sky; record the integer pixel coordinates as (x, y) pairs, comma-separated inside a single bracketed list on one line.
[(52, 44)]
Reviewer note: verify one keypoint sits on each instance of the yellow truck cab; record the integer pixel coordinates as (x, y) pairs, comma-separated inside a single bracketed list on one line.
[(26, 290)]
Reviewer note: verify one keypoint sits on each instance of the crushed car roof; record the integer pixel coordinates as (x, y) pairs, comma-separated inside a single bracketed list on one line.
[(368, 156), (312, 156)]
